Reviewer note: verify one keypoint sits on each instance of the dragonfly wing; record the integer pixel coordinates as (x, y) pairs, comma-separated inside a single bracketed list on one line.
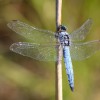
[(81, 32), (84, 50), (35, 51), (32, 33)]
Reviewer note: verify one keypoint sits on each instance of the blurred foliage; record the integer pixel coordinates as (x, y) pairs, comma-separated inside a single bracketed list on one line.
[(22, 78)]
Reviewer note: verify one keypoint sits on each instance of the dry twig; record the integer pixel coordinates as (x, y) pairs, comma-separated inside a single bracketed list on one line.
[(59, 54)]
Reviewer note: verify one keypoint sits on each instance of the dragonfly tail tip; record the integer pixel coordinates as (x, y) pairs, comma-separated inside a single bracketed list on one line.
[(72, 88)]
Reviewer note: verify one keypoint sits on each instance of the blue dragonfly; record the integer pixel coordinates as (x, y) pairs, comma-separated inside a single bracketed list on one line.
[(43, 46)]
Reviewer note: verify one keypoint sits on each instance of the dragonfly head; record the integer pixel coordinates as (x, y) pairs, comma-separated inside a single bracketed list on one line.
[(62, 28)]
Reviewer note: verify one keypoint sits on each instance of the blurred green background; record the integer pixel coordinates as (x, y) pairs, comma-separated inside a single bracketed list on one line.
[(23, 78)]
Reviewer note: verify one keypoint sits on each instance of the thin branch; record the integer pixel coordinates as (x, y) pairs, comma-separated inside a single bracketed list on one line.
[(58, 12), (59, 54)]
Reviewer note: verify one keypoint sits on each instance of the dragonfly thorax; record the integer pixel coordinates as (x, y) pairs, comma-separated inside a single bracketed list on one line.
[(64, 38)]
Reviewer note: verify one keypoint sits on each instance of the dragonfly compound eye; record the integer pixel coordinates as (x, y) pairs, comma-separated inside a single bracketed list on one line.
[(62, 28)]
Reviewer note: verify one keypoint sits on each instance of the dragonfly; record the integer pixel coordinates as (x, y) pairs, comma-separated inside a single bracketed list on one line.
[(43, 45)]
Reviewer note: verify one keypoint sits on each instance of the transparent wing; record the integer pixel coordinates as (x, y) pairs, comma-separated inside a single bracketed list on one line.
[(84, 50), (32, 33), (35, 51), (81, 32)]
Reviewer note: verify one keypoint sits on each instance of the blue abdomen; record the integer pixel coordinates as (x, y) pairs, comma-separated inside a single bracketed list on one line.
[(68, 66)]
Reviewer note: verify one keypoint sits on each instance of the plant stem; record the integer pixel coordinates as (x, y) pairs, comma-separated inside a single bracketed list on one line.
[(59, 54)]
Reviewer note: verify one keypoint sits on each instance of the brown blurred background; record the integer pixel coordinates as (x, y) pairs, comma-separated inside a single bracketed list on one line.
[(23, 78)]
